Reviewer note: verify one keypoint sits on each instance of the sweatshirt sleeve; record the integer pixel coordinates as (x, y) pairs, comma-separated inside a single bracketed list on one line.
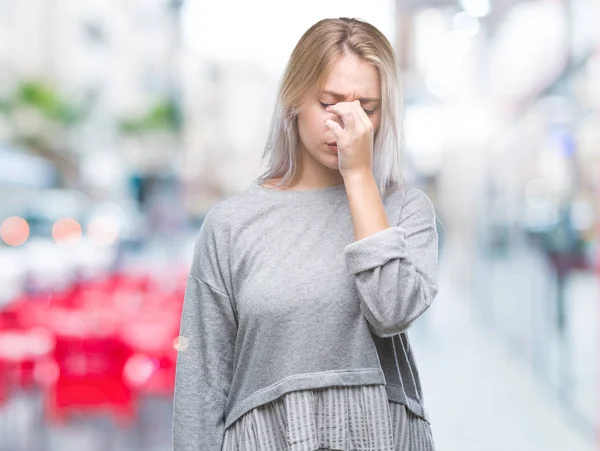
[(395, 269), (205, 353)]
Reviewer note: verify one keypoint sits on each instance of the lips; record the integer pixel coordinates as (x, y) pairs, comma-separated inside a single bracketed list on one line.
[(332, 144)]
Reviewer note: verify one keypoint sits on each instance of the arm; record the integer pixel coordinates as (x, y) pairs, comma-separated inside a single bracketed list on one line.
[(395, 269), (205, 355)]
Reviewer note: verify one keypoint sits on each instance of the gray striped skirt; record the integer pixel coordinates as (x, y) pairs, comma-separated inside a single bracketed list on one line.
[(348, 418)]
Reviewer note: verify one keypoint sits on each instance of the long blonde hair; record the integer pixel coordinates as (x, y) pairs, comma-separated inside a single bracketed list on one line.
[(306, 73)]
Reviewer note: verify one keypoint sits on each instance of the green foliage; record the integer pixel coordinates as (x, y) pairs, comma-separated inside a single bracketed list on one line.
[(44, 98), (162, 116)]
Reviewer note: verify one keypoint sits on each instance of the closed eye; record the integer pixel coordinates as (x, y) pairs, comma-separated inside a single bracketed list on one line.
[(325, 105)]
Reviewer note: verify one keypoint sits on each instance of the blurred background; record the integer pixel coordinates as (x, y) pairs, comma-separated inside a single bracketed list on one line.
[(123, 121)]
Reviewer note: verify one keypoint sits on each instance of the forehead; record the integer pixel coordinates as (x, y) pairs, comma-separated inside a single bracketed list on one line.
[(354, 78)]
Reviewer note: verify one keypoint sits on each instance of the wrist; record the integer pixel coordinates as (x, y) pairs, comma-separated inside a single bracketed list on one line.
[(359, 176)]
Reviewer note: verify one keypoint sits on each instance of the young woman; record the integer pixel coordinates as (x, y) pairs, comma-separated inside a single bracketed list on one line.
[(303, 286)]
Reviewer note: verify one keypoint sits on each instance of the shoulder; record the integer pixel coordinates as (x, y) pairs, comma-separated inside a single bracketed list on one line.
[(210, 260), (416, 197), (413, 202), (225, 212), (227, 217), (411, 197)]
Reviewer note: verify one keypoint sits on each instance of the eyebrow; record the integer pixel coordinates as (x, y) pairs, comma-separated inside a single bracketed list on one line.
[(342, 96)]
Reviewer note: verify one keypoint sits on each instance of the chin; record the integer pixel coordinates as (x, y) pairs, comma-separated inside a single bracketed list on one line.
[(331, 164)]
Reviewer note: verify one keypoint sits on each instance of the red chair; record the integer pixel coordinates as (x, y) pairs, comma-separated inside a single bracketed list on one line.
[(90, 375), (20, 352), (151, 369)]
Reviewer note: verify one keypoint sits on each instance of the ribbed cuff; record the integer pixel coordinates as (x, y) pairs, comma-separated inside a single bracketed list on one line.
[(375, 250)]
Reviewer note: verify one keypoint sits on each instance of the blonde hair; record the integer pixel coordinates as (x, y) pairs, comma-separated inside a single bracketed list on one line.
[(306, 73)]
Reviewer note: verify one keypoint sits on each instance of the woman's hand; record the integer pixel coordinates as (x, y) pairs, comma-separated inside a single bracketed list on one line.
[(355, 140)]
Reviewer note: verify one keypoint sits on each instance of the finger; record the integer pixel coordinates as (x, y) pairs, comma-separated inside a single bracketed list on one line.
[(358, 114), (361, 117), (343, 110), (336, 129)]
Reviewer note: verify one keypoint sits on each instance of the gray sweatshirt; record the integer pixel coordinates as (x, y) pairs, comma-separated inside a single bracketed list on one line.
[(281, 297)]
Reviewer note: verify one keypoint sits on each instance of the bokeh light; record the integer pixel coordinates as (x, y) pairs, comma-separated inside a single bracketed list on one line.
[(66, 230), (180, 343), (103, 231), (14, 231)]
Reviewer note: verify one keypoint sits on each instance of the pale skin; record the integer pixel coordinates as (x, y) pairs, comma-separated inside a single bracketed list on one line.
[(352, 124)]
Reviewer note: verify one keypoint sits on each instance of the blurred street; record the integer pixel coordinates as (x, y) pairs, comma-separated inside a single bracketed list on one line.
[(123, 122), (481, 394)]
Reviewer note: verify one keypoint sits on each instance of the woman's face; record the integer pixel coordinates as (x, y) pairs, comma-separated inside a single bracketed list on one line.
[(350, 79)]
